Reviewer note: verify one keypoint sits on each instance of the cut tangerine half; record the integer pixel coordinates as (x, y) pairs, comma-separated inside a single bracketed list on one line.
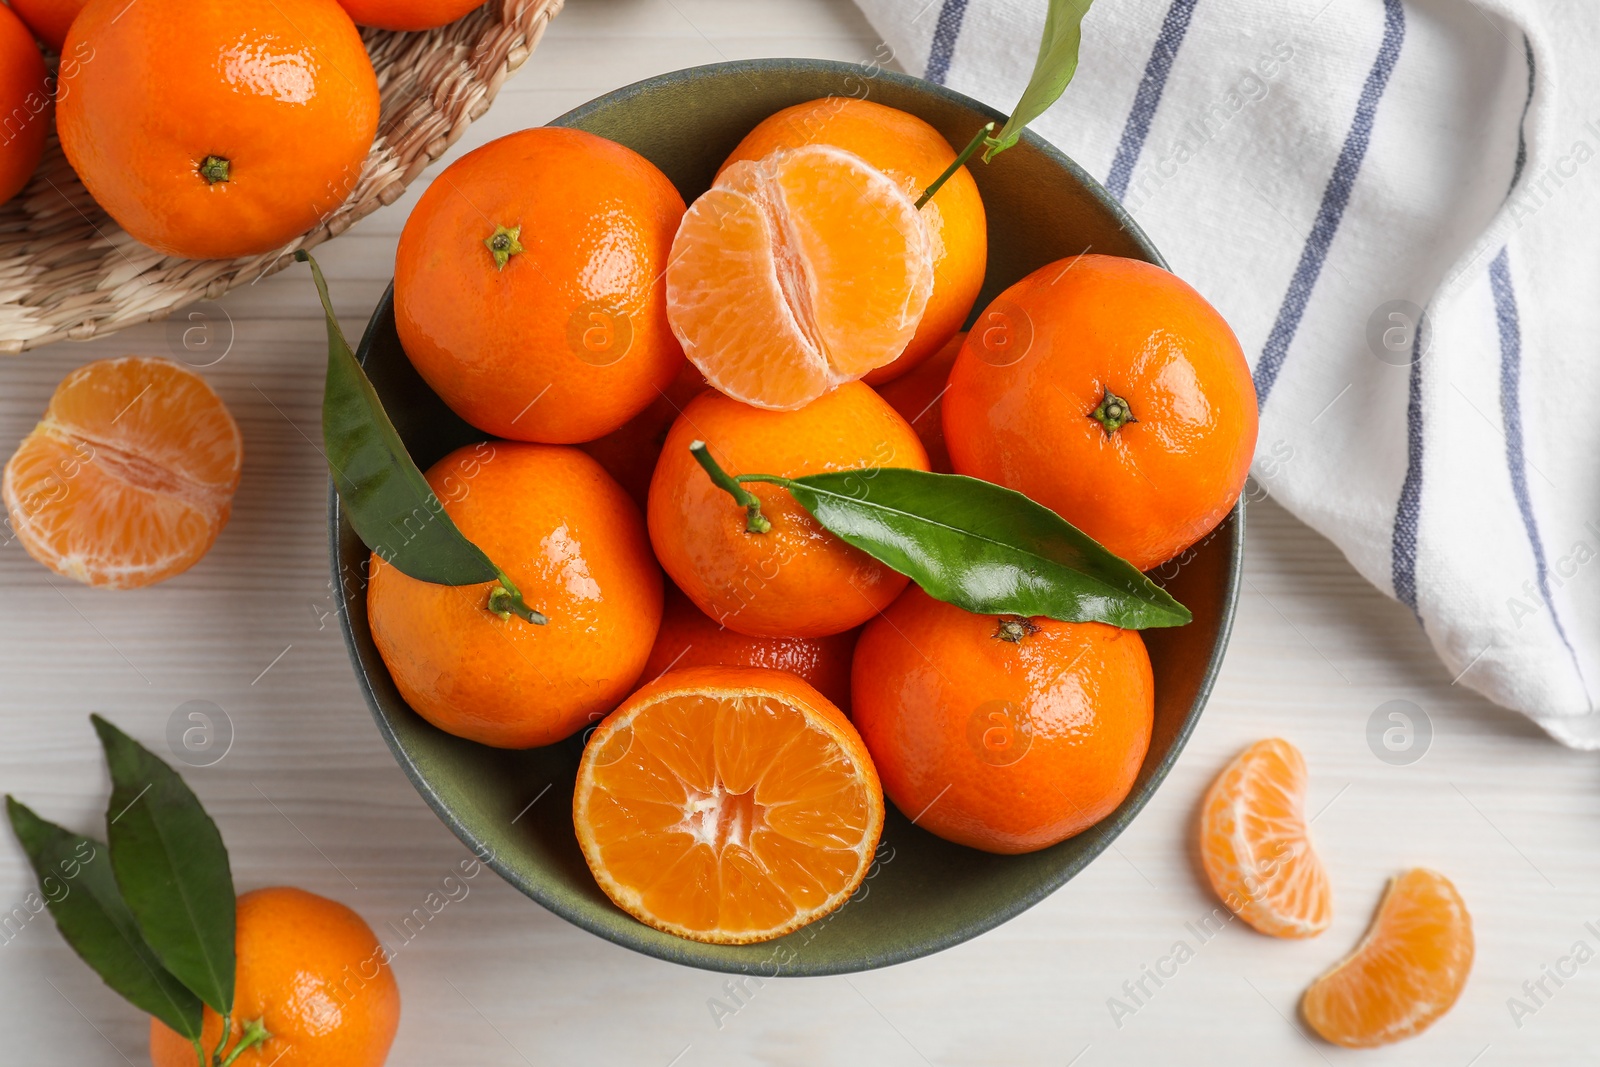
[(796, 273), (130, 475), (1405, 974), (1256, 845), (727, 805)]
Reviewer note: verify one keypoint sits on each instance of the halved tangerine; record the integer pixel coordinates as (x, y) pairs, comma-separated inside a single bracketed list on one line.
[(130, 475), (727, 805), (1405, 974), (1256, 845), (796, 273)]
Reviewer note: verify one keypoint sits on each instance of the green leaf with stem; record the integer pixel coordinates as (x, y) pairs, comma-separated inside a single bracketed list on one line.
[(977, 545), (76, 882), (171, 867), (1052, 70), (387, 500)]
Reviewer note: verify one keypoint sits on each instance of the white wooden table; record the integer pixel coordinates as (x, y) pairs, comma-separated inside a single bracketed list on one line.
[(308, 795)]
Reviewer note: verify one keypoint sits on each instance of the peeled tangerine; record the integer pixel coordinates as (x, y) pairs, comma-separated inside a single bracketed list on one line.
[(796, 273), (1406, 973), (728, 805), (130, 475), (1256, 846)]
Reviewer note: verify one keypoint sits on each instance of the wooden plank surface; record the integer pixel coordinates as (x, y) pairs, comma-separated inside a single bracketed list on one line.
[(308, 795)]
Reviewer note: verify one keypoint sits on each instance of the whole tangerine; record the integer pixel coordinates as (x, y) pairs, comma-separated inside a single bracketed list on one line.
[(691, 638), (211, 131), (24, 103), (914, 154), (529, 289), (796, 579), (574, 544), (314, 975), (1111, 392), (1001, 733)]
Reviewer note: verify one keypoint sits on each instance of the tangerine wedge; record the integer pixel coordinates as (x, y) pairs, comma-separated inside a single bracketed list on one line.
[(1405, 974), (130, 475), (1256, 845), (727, 804), (796, 273)]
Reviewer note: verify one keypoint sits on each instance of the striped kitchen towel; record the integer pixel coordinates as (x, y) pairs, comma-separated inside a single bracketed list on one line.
[(1396, 205)]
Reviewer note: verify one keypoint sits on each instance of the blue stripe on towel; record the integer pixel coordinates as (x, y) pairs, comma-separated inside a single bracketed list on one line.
[(945, 33), (1403, 542), (1148, 97), (1334, 199), (1505, 313)]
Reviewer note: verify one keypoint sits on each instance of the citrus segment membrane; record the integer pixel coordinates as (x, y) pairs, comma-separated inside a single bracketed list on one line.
[(727, 805), (1256, 845), (129, 476), (1407, 971), (798, 272)]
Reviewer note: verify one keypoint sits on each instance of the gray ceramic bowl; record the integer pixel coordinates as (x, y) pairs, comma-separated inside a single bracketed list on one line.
[(925, 894)]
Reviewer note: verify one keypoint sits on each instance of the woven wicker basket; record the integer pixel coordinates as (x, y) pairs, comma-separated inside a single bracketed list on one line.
[(68, 271)]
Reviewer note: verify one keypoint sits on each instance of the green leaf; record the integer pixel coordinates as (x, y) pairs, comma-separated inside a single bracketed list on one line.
[(982, 547), (387, 500), (171, 867), (77, 885), (1057, 63)]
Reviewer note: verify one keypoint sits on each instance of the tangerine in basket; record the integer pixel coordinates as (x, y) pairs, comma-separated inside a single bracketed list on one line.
[(130, 475), (211, 131), (1111, 392), (689, 638), (24, 104), (796, 273), (913, 154), (918, 395), (795, 579), (727, 805), (407, 14), (1405, 974), (528, 286), (1256, 845), (48, 19), (997, 732), (313, 973), (575, 546)]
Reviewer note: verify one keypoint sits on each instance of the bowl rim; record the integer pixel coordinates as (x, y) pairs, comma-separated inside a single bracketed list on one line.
[(704, 956)]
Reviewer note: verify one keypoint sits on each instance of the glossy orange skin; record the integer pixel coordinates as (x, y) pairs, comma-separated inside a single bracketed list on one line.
[(629, 452), (24, 94), (935, 688), (918, 396), (575, 546), (407, 14), (912, 153), (797, 579), (282, 89), (1156, 485), (690, 638), (503, 346), (315, 975)]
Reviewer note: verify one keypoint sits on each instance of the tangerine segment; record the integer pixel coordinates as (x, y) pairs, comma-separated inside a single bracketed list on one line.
[(1256, 845), (728, 805), (1407, 972), (796, 273), (130, 475)]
